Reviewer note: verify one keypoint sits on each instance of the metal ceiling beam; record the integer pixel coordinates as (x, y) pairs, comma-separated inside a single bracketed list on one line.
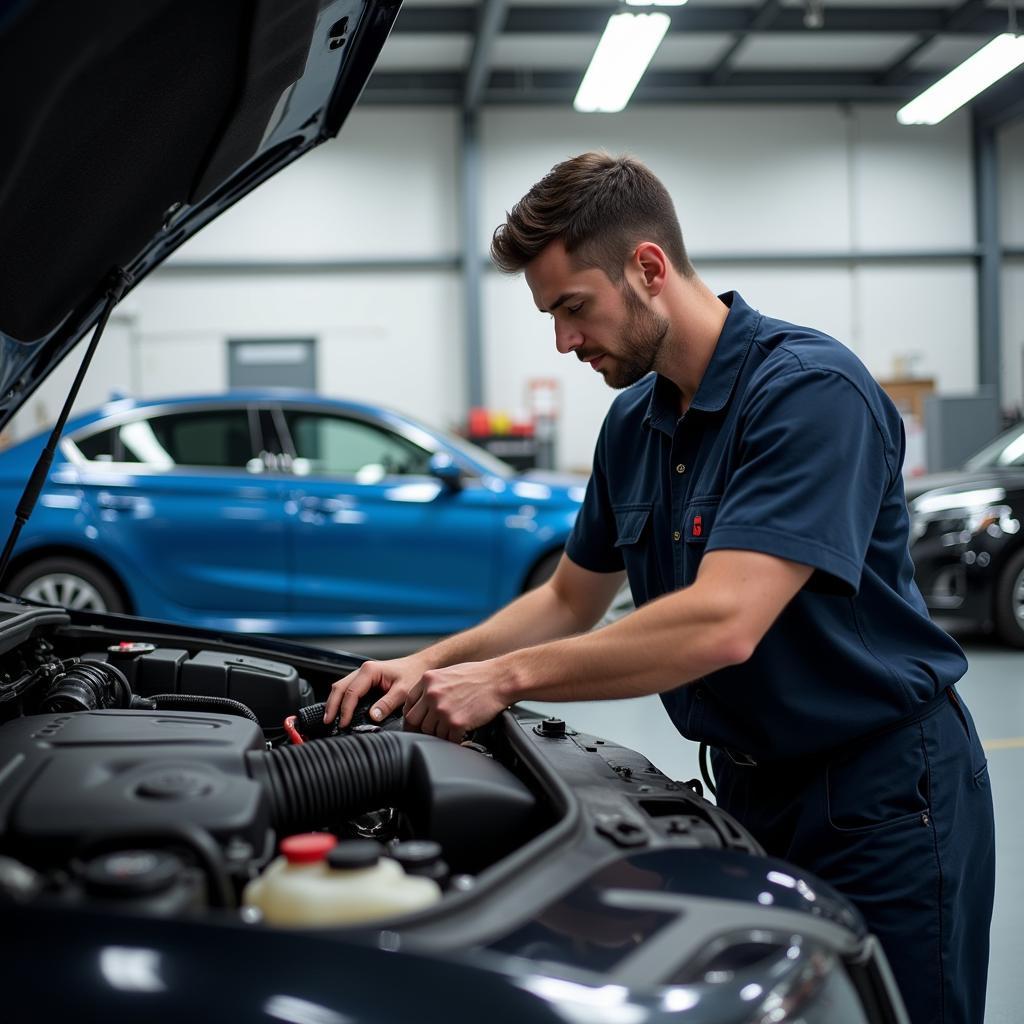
[(762, 20), (489, 24), (559, 87), (1002, 102), (590, 19), (964, 15)]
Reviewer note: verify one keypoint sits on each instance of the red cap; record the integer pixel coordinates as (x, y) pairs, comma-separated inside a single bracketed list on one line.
[(308, 847)]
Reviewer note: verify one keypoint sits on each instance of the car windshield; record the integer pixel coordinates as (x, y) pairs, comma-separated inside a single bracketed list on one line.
[(483, 459), (1005, 450), (490, 463)]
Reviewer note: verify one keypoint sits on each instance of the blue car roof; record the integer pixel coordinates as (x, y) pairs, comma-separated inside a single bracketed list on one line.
[(121, 405)]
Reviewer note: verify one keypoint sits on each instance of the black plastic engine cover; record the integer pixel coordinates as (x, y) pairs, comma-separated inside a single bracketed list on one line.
[(68, 778), (271, 689)]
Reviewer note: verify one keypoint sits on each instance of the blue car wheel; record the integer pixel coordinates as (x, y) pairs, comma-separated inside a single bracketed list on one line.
[(67, 582)]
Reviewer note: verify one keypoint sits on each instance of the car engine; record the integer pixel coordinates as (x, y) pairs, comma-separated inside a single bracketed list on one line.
[(163, 778)]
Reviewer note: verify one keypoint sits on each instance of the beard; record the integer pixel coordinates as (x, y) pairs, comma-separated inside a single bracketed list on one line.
[(640, 342)]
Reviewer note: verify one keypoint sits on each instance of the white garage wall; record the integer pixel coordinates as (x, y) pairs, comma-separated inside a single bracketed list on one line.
[(765, 181), (384, 187), (746, 180), (1011, 154), (381, 337)]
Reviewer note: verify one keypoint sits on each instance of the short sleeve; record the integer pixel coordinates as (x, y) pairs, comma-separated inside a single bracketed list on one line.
[(812, 470), (591, 544)]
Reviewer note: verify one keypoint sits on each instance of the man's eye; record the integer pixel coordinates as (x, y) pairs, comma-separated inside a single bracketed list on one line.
[(575, 309)]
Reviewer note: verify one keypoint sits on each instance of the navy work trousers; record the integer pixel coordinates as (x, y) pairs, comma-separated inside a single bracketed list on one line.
[(901, 825)]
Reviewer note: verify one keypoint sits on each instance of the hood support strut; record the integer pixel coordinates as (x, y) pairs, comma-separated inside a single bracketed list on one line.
[(42, 466)]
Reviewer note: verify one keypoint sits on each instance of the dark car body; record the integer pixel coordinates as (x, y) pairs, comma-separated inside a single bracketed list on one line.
[(147, 773), (967, 544), (622, 895)]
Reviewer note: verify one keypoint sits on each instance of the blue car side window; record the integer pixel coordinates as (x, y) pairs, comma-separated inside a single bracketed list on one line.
[(339, 446), (99, 447), (219, 438)]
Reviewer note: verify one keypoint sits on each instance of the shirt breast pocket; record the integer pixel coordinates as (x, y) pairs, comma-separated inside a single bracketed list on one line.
[(633, 539), (699, 518)]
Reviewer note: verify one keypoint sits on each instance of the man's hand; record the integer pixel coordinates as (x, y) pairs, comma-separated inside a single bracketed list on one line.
[(396, 678), (449, 702)]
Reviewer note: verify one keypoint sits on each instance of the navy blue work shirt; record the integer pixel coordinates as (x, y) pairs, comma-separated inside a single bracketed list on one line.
[(792, 449)]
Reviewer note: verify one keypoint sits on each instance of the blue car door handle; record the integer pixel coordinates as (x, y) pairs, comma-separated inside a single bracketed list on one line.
[(327, 506), (120, 502)]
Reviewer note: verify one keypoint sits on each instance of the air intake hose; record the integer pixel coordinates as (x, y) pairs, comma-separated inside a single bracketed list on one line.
[(446, 791), (327, 780)]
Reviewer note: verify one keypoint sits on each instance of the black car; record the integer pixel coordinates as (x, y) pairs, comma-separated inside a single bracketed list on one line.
[(149, 772), (966, 540)]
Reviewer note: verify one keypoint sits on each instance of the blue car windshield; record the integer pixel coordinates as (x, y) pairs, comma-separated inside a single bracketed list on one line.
[(1005, 450), (490, 463)]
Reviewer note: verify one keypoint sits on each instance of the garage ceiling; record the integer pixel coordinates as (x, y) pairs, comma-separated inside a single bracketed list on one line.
[(472, 52)]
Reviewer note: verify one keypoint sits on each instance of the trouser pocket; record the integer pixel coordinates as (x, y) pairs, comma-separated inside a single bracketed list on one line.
[(880, 786)]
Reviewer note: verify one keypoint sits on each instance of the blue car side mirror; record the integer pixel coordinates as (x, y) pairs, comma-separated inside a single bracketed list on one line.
[(446, 469)]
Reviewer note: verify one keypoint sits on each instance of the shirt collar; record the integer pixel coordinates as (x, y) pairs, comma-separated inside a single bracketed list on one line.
[(716, 386)]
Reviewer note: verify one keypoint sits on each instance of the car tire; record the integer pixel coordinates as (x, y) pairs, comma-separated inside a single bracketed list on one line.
[(543, 570), (68, 582), (1010, 602)]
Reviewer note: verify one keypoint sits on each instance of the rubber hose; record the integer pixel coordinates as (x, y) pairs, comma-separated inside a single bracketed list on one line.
[(310, 721), (330, 779), (196, 702)]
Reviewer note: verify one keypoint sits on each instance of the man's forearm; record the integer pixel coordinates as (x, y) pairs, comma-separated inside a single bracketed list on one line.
[(672, 641), (535, 617)]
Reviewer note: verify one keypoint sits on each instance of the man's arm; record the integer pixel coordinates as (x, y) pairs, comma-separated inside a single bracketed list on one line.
[(716, 622), (571, 601)]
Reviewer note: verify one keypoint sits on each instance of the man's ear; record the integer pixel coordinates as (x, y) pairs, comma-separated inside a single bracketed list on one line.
[(652, 263)]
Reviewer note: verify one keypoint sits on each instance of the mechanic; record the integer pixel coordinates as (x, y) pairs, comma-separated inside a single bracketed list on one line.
[(748, 482)]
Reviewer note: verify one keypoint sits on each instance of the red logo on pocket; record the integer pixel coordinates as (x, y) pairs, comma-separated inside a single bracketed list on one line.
[(698, 526)]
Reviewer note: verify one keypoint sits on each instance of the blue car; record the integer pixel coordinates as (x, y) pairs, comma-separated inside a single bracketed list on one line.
[(281, 512)]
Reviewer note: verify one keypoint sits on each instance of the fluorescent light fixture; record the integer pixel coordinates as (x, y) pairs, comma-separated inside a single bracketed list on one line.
[(626, 48), (963, 83), (655, 3)]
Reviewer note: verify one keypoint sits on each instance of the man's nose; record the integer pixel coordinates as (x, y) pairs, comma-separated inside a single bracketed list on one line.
[(567, 338)]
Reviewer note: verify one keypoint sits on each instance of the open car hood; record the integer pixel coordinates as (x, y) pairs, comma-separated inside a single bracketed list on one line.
[(138, 123)]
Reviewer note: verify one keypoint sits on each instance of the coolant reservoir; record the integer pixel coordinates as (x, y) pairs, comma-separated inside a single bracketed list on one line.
[(319, 881)]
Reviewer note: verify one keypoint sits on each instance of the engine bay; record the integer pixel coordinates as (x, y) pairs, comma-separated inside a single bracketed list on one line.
[(151, 769), (163, 778)]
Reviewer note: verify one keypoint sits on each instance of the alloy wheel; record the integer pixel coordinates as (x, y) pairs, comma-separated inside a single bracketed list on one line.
[(1018, 599), (67, 591)]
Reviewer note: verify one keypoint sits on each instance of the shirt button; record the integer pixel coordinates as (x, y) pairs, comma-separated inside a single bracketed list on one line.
[(676, 535), (680, 468)]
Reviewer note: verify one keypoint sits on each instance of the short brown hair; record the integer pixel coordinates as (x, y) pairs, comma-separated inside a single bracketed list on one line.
[(601, 207)]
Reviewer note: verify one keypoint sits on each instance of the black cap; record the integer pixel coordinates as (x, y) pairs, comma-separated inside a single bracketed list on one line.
[(421, 857), (355, 853), (128, 873), (414, 852)]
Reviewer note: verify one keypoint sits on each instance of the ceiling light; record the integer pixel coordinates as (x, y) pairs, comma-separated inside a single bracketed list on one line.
[(655, 3), (963, 83), (814, 14), (626, 48)]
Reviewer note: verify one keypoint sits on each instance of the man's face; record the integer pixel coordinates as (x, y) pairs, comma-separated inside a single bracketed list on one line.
[(605, 324)]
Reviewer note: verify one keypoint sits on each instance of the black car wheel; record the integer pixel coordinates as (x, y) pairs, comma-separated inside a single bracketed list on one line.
[(69, 583), (1009, 612)]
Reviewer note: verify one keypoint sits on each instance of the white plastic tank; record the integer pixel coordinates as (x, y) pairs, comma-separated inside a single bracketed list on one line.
[(318, 880)]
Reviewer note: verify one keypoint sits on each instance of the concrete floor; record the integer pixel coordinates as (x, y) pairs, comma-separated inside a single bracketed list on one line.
[(993, 689)]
